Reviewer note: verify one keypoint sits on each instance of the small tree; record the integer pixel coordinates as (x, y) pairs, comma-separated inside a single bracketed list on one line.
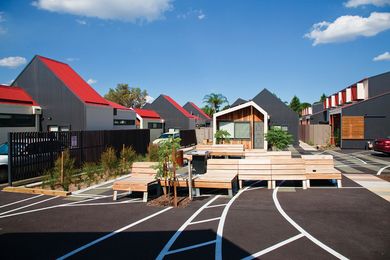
[(153, 152), (278, 138), (295, 104), (109, 161), (221, 136), (166, 168), (127, 157)]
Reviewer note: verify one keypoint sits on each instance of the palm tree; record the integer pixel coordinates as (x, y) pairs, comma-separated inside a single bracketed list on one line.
[(215, 101)]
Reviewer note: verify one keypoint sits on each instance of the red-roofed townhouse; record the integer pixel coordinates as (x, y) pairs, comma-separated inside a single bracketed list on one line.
[(124, 117), (150, 119), (68, 102), (18, 112), (205, 120), (175, 116)]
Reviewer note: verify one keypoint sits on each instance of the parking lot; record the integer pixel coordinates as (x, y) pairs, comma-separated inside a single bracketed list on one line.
[(322, 222)]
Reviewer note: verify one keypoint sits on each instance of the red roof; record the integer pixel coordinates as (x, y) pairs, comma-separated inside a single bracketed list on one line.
[(16, 95), (200, 110), (117, 106), (178, 107), (74, 82), (146, 113)]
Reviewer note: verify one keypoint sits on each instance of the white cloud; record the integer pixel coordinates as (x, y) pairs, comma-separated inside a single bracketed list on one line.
[(91, 81), (70, 59), (201, 16), (348, 27), (12, 62), (383, 56), (125, 10), (3, 30), (82, 22), (149, 99), (357, 3), (192, 13)]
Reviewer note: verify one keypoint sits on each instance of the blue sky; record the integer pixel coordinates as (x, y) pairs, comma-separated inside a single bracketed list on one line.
[(190, 48)]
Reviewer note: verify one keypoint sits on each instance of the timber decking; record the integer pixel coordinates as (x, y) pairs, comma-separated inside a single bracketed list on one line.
[(321, 167)]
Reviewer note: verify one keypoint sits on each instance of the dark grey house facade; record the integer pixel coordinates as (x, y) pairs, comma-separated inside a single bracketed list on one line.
[(175, 116), (67, 101), (279, 113), (204, 119)]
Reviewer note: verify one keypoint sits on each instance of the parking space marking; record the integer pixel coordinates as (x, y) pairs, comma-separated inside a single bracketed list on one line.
[(364, 162), (100, 184), (190, 247), (169, 244), (19, 201), (382, 169), (216, 205), (204, 221), (26, 206), (301, 230), (271, 248), (112, 234), (105, 203)]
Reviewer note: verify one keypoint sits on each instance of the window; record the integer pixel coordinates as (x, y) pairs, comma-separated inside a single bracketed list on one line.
[(242, 130), (52, 128), (124, 122), (17, 120), (152, 125), (115, 111), (239, 130)]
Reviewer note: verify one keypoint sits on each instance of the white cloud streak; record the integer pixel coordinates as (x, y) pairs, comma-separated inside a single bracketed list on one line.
[(91, 81), (357, 3), (124, 10), (3, 30), (82, 22), (12, 62), (192, 14), (383, 57), (348, 27)]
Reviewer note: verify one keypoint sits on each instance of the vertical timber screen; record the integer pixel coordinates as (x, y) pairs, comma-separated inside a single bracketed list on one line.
[(32, 153)]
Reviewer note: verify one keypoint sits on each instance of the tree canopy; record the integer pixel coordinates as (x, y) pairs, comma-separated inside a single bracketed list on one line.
[(214, 101), (126, 96), (323, 97), (295, 104)]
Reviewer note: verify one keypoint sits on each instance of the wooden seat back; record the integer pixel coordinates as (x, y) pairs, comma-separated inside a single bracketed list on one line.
[(318, 163), (259, 154), (144, 169), (254, 169), (288, 169), (220, 166), (220, 147)]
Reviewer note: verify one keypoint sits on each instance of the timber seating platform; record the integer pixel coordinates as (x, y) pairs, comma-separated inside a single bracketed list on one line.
[(260, 154), (254, 170), (288, 169), (321, 167), (225, 150), (141, 179)]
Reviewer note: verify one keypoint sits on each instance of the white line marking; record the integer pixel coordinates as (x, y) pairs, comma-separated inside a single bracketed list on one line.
[(168, 245), (358, 159), (16, 202), (112, 234), (100, 184), (256, 188), (271, 248), (300, 229), (218, 241), (190, 247), (29, 205), (382, 169), (105, 203), (203, 221), (217, 205)]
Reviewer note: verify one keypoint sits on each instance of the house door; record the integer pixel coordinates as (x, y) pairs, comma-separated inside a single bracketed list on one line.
[(258, 142)]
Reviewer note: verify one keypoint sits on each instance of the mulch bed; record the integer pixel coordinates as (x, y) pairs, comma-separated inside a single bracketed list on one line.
[(162, 201)]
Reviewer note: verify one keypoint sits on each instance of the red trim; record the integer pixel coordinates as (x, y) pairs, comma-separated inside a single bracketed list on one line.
[(74, 82), (146, 113), (200, 110), (354, 93), (16, 95), (117, 106), (344, 96), (178, 107)]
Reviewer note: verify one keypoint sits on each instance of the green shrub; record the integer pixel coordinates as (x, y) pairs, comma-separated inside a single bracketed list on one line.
[(153, 152), (50, 178), (127, 157), (109, 161), (222, 136), (278, 138), (91, 170), (69, 169)]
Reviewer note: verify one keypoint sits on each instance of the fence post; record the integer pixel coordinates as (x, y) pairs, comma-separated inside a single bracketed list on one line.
[(62, 166), (9, 159)]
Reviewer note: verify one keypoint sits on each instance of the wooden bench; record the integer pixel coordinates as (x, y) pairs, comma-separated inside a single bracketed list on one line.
[(259, 154), (255, 169), (222, 149), (141, 178), (321, 167), (221, 174), (288, 169)]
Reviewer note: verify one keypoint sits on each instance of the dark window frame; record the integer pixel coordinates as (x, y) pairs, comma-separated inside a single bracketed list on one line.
[(17, 120), (123, 122)]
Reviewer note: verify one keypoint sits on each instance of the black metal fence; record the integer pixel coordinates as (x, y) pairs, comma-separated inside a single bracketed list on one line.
[(188, 137), (32, 153)]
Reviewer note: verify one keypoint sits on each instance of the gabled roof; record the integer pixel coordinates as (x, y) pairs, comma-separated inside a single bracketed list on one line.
[(146, 113), (247, 104), (117, 106), (200, 111), (178, 107), (74, 82), (15, 95), (239, 101)]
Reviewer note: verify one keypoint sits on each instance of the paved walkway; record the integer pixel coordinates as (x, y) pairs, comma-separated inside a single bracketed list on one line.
[(372, 183), (306, 147)]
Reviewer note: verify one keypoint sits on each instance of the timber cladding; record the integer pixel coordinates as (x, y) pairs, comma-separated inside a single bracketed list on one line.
[(352, 127)]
